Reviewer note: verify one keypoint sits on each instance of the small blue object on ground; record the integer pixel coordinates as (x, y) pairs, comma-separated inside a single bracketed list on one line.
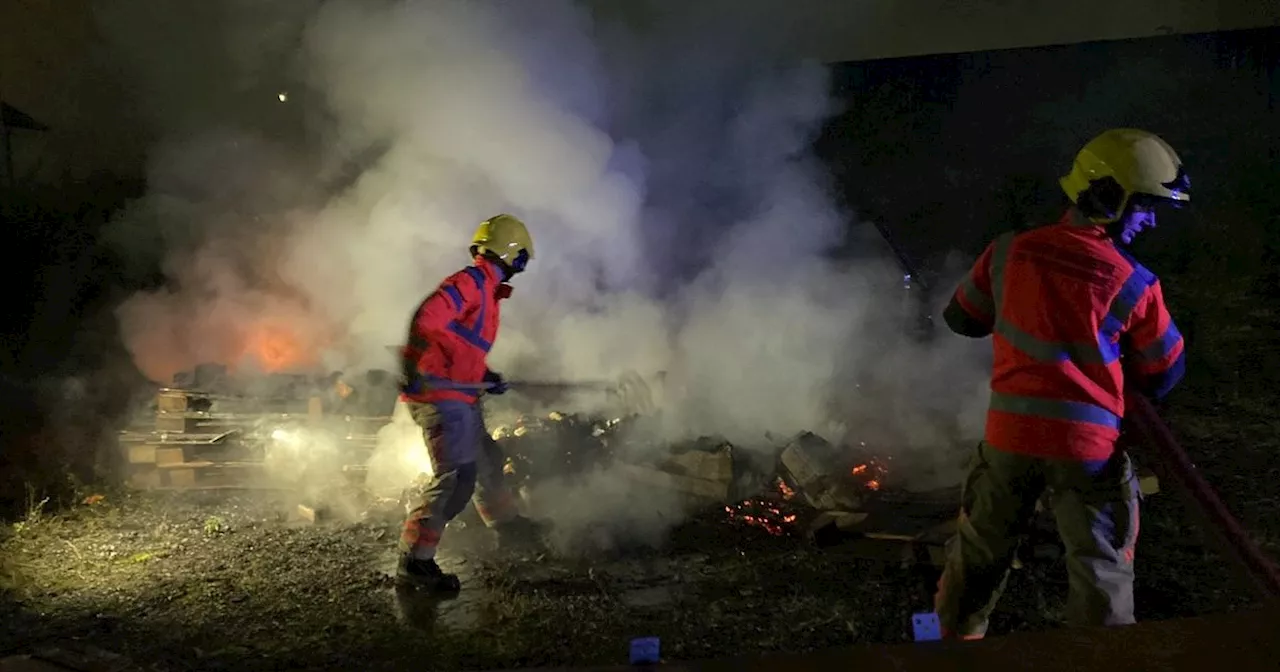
[(644, 651), (926, 627)]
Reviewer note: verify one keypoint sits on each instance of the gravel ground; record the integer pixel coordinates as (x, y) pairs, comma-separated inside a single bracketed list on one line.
[(215, 581), (229, 581)]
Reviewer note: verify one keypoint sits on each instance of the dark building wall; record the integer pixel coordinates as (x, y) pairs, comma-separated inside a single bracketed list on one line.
[(946, 151)]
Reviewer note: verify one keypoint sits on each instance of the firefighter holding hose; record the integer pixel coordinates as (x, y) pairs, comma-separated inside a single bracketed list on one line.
[(1073, 319), (444, 372)]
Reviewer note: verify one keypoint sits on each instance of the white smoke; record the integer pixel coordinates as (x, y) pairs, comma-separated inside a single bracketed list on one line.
[(400, 455), (681, 221)]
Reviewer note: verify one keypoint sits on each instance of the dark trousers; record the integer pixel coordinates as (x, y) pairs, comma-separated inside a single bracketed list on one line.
[(465, 462), (1095, 505)]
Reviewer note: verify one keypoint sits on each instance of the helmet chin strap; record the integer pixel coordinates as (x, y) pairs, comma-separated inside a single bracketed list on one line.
[(504, 268)]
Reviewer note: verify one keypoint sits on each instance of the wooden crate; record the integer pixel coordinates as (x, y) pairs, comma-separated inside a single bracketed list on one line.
[(173, 401)]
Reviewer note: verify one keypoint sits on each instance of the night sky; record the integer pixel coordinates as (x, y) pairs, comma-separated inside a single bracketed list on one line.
[(52, 67)]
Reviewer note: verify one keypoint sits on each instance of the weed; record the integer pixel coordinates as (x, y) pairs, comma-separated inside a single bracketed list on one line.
[(215, 525)]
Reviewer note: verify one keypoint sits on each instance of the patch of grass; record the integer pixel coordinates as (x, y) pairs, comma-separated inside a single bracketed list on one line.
[(214, 525)]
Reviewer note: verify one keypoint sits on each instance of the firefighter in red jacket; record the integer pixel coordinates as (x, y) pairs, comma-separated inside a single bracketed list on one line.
[(1073, 319), (444, 371)]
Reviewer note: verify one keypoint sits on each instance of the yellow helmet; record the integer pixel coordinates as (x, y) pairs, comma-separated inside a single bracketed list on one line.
[(1123, 164), (505, 237)]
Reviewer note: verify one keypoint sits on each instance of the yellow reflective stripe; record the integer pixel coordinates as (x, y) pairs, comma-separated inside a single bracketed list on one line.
[(999, 255), (976, 297), (1078, 352), (1049, 351), (1056, 409)]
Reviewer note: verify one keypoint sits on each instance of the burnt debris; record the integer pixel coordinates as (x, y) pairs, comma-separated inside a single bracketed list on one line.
[(320, 437)]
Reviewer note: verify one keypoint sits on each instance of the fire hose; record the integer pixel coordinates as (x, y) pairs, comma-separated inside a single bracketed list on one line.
[(1251, 561)]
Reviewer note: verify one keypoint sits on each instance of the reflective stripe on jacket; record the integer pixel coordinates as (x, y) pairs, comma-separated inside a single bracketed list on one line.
[(1071, 315), (453, 329)]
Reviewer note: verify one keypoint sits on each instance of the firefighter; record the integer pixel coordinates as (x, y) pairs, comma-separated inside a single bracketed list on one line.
[(1073, 319), (443, 363)]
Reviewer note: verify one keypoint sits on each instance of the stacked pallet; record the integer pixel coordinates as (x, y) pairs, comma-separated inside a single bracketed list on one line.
[(189, 446), (199, 440)]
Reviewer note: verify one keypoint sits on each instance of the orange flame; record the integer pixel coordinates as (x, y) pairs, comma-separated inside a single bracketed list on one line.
[(277, 349), (859, 469), (873, 485)]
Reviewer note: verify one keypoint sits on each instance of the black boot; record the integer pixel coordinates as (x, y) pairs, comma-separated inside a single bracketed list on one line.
[(427, 575)]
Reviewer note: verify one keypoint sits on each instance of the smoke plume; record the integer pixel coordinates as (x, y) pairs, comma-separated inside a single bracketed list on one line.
[(329, 174)]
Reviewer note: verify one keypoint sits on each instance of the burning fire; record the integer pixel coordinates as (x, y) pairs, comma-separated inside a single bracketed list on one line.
[(278, 349)]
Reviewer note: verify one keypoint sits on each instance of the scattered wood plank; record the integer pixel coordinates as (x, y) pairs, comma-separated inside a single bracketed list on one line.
[(714, 466), (313, 514), (701, 488)]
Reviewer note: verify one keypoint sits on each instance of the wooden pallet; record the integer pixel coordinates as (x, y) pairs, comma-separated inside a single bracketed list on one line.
[(203, 441), (197, 422), (157, 453), (193, 475)]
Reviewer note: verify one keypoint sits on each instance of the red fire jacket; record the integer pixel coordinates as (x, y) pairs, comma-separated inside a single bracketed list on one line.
[(453, 330), (1071, 315)]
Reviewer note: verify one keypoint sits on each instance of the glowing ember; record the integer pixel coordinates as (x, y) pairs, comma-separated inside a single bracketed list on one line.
[(767, 512), (870, 473), (761, 513), (785, 490)]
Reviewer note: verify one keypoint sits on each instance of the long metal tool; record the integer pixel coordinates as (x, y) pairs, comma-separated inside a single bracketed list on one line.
[(1177, 466), (630, 391)]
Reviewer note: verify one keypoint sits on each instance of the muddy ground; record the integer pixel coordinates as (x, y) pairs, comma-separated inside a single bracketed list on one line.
[(215, 581)]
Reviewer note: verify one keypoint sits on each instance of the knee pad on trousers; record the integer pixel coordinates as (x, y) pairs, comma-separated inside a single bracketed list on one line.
[(466, 486)]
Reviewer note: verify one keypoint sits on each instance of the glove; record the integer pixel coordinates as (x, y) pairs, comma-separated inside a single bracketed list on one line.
[(496, 383)]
